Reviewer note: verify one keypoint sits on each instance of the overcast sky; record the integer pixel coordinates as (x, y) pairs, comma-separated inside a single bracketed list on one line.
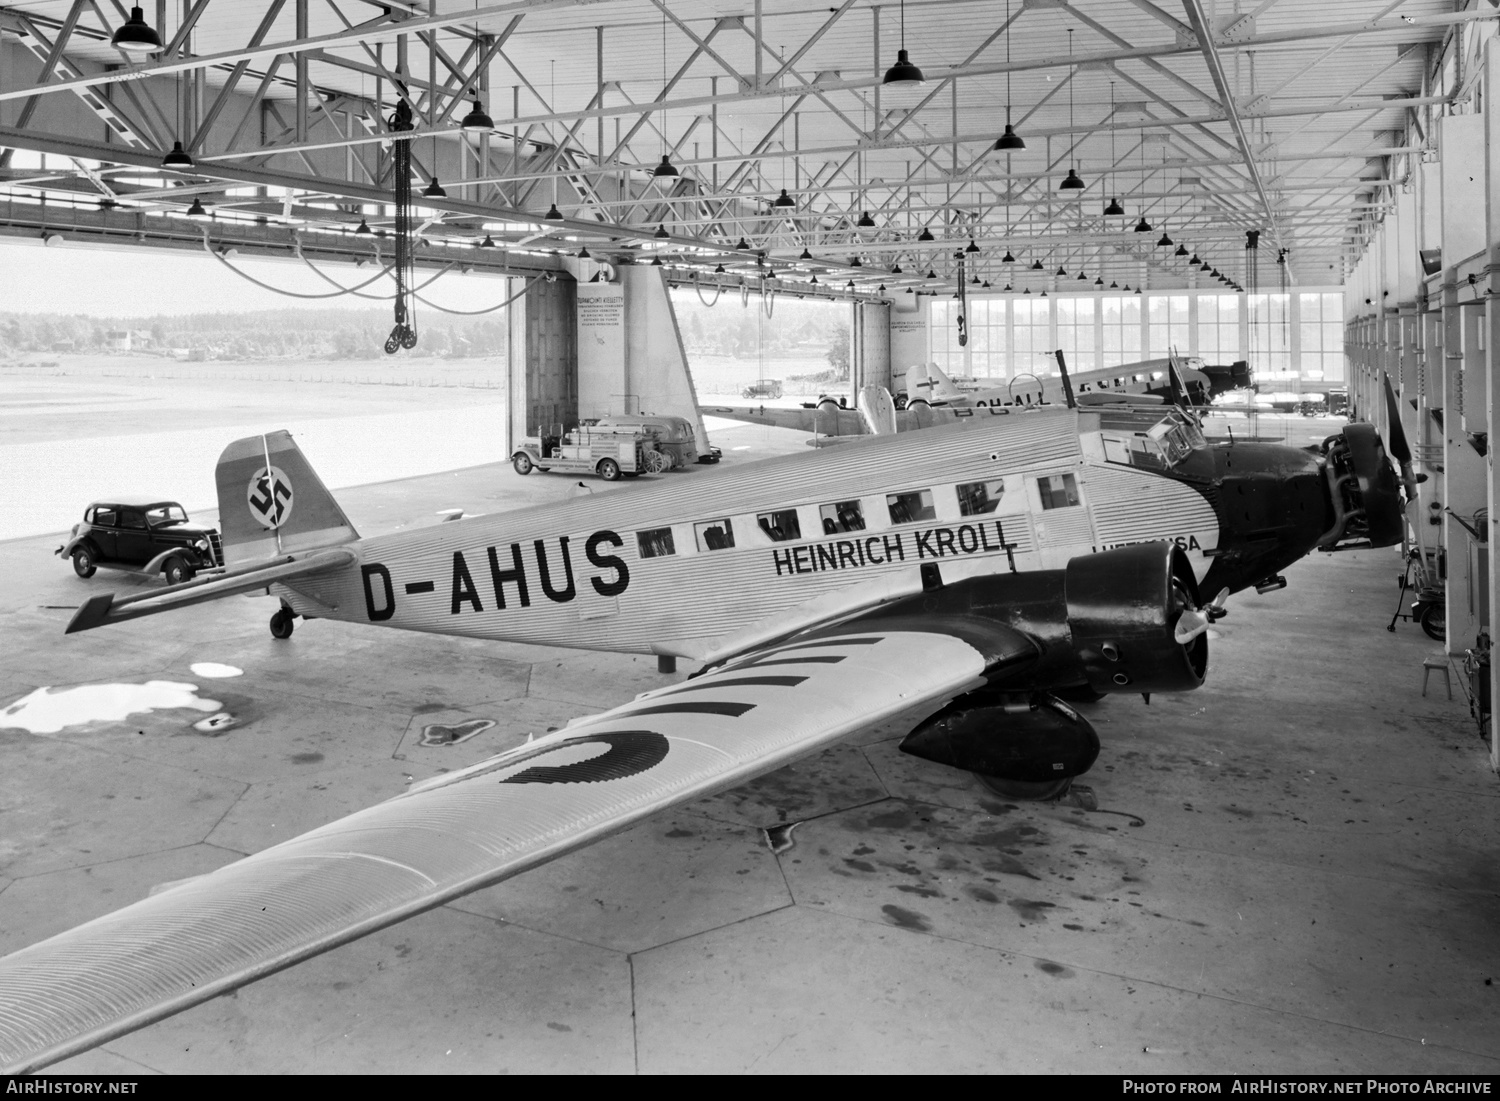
[(136, 281)]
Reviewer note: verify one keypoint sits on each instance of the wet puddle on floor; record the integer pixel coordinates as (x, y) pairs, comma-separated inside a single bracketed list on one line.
[(46, 711)]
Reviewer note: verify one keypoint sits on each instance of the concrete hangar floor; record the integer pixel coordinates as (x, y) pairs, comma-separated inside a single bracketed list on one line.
[(1292, 869)]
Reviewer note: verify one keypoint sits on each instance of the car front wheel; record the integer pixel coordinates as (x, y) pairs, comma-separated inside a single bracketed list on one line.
[(609, 470), (176, 571), (522, 463), (83, 562)]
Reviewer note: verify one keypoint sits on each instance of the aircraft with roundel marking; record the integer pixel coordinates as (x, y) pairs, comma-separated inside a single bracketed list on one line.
[(960, 581)]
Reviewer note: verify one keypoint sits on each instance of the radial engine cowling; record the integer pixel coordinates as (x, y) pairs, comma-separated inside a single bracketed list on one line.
[(1123, 609)]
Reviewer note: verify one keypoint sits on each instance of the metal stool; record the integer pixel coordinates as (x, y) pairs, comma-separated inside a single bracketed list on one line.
[(1436, 663)]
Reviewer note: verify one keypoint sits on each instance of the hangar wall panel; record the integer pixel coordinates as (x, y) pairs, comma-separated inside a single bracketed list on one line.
[(551, 354)]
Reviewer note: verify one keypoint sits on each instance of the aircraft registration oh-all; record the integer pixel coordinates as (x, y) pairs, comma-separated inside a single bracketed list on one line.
[(928, 383), (955, 579)]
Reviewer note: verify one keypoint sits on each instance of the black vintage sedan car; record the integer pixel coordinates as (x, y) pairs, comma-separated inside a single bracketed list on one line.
[(148, 536)]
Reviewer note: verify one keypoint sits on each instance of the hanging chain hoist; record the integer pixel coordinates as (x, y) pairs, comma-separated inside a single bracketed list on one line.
[(404, 334)]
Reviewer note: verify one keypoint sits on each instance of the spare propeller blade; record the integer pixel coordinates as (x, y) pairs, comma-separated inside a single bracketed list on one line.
[(1398, 448)]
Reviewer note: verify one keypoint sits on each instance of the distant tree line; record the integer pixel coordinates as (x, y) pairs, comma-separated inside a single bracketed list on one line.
[(728, 328), (263, 334)]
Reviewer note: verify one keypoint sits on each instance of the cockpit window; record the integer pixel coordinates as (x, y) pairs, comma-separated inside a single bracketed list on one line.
[(1158, 446)]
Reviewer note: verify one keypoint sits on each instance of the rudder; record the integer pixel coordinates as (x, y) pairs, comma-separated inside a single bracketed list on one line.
[(271, 501)]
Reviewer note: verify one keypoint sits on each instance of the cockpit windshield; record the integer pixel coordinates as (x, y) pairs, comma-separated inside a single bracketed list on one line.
[(1155, 443)]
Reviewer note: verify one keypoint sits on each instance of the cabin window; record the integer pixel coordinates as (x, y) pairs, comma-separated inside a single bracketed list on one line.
[(910, 507), (780, 526), (978, 498), (1058, 490), (105, 516), (714, 535), (130, 518), (842, 516), (656, 543)]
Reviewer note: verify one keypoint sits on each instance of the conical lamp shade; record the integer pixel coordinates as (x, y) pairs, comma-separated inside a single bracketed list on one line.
[(477, 120), (666, 169), (135, 35), (1071, 182), (1114, 209), (904, 73), (1009, 141)]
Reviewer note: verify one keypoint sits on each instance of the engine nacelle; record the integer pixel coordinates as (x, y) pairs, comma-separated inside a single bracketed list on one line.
[(1123, 606)]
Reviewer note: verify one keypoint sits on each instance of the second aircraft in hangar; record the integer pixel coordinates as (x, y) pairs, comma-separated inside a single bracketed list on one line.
[(953, 580)]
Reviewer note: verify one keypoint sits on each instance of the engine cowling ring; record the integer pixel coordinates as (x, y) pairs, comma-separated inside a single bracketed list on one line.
[(1123, 606)]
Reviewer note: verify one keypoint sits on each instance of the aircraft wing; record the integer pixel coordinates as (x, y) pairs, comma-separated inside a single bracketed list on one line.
[(96, 611), (469, 829)]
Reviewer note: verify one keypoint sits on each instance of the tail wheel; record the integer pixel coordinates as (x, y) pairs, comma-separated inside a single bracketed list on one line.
[(282, 624)]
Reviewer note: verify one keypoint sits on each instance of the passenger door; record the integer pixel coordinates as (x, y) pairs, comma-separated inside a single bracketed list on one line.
[(102, 531), (133, 539)]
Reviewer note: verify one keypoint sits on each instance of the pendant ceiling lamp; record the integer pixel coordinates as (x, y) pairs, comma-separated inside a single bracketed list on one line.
[(1036, 265), (865, 221), (198, 212), (1165, 242), (553, 214), (661, 233), (434, 190), (743, 246), (896, 270), (784, 200), (854, 262), (972, 247), (1143, 226), (1009, 141), (1114, 209), (1072, 181), (363, 228), (583, 253), (664, 170), (805, 255), (488, 242), (719, 270), (177, 158), (135, 35), (1181, 251), (1195, 262), (1061, 270), (925, 235), (476, 121), (903, 74), (1007, 258), (656, 261)]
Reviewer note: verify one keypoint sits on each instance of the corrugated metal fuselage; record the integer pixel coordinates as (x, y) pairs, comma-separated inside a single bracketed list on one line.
[(694, 557)]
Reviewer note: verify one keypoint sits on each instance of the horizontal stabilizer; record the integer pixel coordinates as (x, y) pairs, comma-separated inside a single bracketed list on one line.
[(105, 608)]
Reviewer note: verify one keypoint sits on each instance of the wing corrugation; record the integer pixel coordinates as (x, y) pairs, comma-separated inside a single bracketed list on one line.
[(419, 850)]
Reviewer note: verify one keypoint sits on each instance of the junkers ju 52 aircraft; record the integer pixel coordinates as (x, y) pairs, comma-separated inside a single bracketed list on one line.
[(956, 578)]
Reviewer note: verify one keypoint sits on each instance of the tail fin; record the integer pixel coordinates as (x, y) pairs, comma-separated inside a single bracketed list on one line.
[(272, 502), (942, 387)]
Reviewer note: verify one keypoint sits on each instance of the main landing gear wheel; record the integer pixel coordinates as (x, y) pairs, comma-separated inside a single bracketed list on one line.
[(1028, 791), (609, 470), (522, 463), (83, 562), (282, 623)]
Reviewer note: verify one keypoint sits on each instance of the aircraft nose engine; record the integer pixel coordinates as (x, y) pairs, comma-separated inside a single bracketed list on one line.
[(1122, 620), (1365, 494)]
